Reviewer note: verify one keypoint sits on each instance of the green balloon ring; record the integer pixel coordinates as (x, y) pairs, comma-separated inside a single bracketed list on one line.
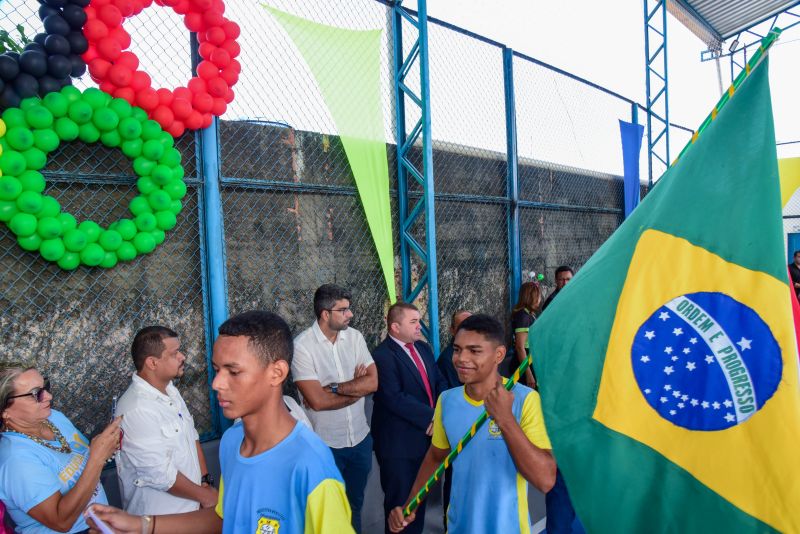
[(38, 222)]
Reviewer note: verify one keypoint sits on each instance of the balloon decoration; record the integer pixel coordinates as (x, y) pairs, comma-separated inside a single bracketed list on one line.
[(53, 57), (116, 69), (28, 133)]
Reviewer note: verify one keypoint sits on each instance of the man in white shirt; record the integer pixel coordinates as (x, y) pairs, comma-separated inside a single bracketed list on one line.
[(161, 467), (334, 371)]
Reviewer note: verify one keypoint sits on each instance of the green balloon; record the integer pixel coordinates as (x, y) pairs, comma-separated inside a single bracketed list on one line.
[(159, 200), (35, 159), (32, 181), (145, 222), (8, 208), (126, 228), (19, 138), (72, 93), (152, 150), (162, 174), (10, 188), (49, 228), (121, 107), (80, 112), (176, 189), (110, 240), (144, 243), (70, 260), (159, 236), (166, 140), (142, 166), (146, 185), (88, 133), (30, 243), (75, 240), (166, 220), (67, 221), (105, 119), (50, 207), (39, 116), (139, 205), (91, 229), (28, 103), (46, 140), (109, 260), (132, 148), (139, 114), (175, 206), (52, 249), (29, 202), (56, 103), (67, 129), (171, 157), (92, 254), (96, 98), (14, 117), (151, 130), (111, 138), (23, 224), (126, 251), (12, 163), (178, 173)]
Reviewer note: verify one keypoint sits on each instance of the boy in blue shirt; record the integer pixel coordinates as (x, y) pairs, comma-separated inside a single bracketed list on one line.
[(277, 475), (491, 474)]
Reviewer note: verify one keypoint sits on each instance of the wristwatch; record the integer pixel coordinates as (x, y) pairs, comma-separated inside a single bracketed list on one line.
[(207, 479), (335, 388)]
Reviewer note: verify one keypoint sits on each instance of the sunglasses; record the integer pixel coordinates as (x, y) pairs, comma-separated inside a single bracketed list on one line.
[(36, 393)]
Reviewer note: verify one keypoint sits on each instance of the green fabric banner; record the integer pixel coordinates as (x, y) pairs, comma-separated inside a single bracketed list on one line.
[(346, 66)]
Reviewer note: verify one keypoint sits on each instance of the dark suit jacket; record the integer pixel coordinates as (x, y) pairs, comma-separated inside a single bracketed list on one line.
[(401, 412)]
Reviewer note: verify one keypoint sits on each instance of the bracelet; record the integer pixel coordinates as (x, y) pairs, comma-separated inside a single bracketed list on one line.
[(148, 524)]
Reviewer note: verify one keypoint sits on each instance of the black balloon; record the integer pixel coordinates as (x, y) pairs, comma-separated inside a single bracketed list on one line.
[(57, 44), (54, 3), (46, 11), (9, 68), (56, 24), (9, 98), (77, 42), (14, 55), (39, 47), (26, 85), (75, 16), (59, 66), (78, 66), (81, 3), (2, 85), (48, 84), (39, 38), (33, 62)]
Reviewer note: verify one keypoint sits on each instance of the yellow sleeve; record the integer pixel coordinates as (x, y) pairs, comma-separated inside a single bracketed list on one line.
[(327, 509), (532, 421), (218, 508), (439, 439)]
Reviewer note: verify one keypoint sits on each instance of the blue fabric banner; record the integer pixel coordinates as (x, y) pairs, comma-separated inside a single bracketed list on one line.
[(631, 134)]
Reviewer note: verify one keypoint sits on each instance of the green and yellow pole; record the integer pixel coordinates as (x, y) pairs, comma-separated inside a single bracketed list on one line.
[(455, 451)]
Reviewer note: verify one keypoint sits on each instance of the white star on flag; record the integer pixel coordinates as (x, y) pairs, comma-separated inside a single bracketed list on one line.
[(668, 370), (677, 331), (663, 399), (709, 359), (687, 350), (672, 412), (744, 343), (684, 398), (676, 394), (668, 350), (649, 334), (647, 391), (667, 387), (705, 404), (690, 366), (716, 405), (645, 358), (674, 358), (693, 340), (681, 405), (729, 418), (727, 403), (694, 402), (663, 316)]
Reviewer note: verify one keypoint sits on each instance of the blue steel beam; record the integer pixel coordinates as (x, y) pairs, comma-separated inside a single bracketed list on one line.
[(512, 179), (425, 252), (656, 84)]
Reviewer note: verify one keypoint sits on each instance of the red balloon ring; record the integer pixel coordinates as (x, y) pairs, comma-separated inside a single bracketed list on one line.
[(116, 70)]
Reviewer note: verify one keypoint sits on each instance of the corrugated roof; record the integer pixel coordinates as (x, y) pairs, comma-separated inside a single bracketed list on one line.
[(714, 21)]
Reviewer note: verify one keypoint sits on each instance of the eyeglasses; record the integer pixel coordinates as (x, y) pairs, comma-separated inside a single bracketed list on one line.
[(36, 393), (340, 310)]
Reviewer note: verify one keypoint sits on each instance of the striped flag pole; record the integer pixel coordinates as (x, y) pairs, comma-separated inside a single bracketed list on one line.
[(423, 493)]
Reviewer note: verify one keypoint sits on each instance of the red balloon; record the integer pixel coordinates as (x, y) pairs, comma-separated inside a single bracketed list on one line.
[(229, 97), (205, 50), (163, 115), (120, 75), (207, 70), (217, 87), (110, 15), (95, 29), (126, 93), (126, 7), (98, 68), (219, 107), (90, 54), (232, 30), (147, 99), (140, 80), (97, 4), (232, 48), (183, 93), (109, 48), (91, 13), (229, 75), (121, 36), (194, 22), (197, 85), (207, 119), (128, 59), (194, 120), (220, 57), (181, 7), (215, 35), (165, 97), (107, 87), (236, 66), (202, 102), (181, 107), (169, 3), (213, 18), (176, 129), (203, 5)]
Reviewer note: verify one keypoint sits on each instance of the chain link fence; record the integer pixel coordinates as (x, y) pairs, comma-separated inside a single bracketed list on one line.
[(291, 213)]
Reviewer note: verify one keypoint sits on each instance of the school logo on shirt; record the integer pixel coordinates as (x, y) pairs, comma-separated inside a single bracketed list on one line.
[(494, 430), (268, 526)]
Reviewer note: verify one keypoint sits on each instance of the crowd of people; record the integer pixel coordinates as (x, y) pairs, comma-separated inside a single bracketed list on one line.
[(286, 468)]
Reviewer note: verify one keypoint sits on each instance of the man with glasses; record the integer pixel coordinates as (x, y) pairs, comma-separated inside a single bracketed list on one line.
[(334, 371)]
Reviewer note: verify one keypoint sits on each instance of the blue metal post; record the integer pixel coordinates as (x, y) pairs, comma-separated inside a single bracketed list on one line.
[(656, 84), (426, 253), (512, 173)]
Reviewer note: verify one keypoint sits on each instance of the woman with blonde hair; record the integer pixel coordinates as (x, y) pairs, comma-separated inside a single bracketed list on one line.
[(522, 317)]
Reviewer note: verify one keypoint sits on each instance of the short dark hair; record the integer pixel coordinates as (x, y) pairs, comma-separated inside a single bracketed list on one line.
[(796, 252), (488, 326), (268, 334), (565, 269), (396, 311), (149, 341), (326, 295)]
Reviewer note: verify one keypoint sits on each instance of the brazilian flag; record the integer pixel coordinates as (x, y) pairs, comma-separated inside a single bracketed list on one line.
[(668, 366)]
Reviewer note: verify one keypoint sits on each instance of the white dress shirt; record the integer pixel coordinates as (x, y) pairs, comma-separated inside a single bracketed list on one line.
[(159, 441), (316, 358)]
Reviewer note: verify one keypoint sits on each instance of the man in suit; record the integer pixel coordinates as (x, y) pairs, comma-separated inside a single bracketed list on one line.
[(408, 385)]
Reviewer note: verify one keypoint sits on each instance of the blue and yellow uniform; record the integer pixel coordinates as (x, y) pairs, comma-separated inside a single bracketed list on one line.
[(488, 494), (292, 488)]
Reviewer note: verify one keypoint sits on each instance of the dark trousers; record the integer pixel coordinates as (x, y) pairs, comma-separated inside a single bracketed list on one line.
[(354, 464), (397, 478), (446, 484), (561, 518)]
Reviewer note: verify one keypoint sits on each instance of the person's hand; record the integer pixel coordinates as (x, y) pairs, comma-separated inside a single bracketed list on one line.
[(396, 520), (361, 370), (529, 378), (106, 443), (429, 431), (210, 497), (121, 522), (499, 402)]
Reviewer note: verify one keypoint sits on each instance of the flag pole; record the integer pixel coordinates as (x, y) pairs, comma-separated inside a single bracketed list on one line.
[(753, 62), (423, 493)]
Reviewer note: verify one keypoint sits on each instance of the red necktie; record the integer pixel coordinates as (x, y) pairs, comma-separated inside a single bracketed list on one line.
[(421, 369)]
